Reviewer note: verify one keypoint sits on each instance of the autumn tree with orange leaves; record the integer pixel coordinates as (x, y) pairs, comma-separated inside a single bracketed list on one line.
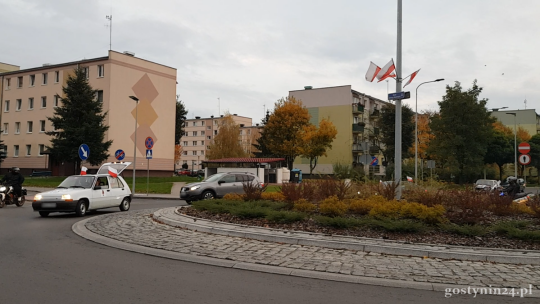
[(316, 141), (227, 143)]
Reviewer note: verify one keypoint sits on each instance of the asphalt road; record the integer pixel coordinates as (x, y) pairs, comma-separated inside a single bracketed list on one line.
[(44, 262)]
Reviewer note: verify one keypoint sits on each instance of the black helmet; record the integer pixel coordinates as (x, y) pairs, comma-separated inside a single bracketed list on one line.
[(15, 169), (511, 179)]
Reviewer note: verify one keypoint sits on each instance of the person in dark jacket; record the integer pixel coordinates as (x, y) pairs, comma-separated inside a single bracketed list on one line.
[(15, 179)]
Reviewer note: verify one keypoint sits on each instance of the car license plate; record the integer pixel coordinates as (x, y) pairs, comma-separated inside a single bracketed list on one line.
[(48, 205)]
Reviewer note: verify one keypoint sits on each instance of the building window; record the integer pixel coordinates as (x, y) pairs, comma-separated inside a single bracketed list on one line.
[(184, 152), (241, 132), (202, 123), (16, 151), (208, 137), (30, 125), (207, 147), (202, 152), (194, 123), (99, 96), (202, 133), (32, 80), (6, 127), (41, 149), (42, 126), (8, 83), (202, 142), (31, 103), (57, 76), (19, 82), (194, 142), (43, 102), (6, 106), (185, 144), (194, 133), (17, 128), (215, 132), (18, 104), (194, 152), (86, 72), (44, 77), (209, 128), (215, 122), (28, 150), (101, 71)]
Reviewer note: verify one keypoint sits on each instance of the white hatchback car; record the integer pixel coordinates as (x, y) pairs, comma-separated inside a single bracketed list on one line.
[(81, 193)]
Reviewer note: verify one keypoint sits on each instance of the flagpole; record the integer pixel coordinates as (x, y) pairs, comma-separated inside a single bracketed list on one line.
[(397, 142)]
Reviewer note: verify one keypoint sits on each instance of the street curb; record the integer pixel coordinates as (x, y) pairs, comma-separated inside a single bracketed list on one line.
[(176, 219), (80, 229)]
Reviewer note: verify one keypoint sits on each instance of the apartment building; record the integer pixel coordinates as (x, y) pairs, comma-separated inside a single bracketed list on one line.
[(29, 96), (527, 119), (354, 115), (199, 133)]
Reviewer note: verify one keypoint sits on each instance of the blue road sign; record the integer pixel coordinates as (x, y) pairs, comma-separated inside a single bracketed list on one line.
[(399, 95), (84, 151), (149, 154), (149, 143), (374, 161), (119, 154)]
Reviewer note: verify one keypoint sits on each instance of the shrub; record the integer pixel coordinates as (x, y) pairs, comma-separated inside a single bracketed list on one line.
[(389, 209), (285, 217), (249, 211), (505, 227), (328, 187), (253, 191), (534, 205), (361, 206), (467, 230), (273, 196), (501, 205), (333, 206), (430, 215), (465, 206), (337, 222), (214, 206), (291, 192), (386, 190), (304, 206), (398, 225), (424, 196), (233, 197)]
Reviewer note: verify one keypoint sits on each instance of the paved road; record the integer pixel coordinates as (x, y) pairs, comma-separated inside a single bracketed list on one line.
[(43, 261)]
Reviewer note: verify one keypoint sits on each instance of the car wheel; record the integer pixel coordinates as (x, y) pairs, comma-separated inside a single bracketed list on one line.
[(81, 208), (21, 203), (206, 195), (188, 202), (44, 213), (126, 203)]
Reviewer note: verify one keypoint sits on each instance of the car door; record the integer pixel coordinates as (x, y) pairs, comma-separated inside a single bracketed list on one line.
[(240, 180), (227, 184), (117, 191), (99, 193)]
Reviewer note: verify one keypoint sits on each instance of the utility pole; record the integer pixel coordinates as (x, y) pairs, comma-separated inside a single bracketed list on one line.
[(397, 142)]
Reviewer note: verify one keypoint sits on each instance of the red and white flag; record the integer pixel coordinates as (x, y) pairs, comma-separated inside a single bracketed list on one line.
[(113, 172), (386, 71), (409, 179), (412, 77), (372, 71), (83, 170)]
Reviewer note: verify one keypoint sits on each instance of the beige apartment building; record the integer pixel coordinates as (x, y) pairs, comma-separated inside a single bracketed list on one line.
[(354, 114), (199, 133), (29, 96)]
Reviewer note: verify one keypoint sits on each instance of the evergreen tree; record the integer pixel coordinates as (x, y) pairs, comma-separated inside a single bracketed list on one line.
[(79, 119), (387, 123), (500, 150), (181, 114), (260, 146)]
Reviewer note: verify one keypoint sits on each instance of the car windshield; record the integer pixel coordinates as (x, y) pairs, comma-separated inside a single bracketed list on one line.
[(487, 182), (77, 182), (214, 178)]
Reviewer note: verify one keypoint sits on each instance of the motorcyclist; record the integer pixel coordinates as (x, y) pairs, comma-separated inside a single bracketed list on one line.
[(513, 187), (15, 179)]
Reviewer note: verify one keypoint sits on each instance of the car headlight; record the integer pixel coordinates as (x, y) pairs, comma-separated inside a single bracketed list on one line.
[(2, 189), (37, 197), (194, 188), (66, 197)]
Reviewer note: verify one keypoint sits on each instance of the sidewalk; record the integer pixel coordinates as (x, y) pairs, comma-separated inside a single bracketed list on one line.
[(168, 233)]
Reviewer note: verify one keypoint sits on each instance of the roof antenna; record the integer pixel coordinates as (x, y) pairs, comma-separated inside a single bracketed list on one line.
[(109, 17), (525, 104)]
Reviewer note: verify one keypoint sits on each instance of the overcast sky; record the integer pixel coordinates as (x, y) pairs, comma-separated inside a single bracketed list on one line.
[(251, 53)]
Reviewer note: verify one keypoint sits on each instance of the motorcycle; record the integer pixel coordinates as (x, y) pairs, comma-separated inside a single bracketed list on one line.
[(520, 197), (8, 197)]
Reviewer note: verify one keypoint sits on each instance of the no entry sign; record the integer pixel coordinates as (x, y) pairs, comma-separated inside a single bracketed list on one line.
[(524, 148)]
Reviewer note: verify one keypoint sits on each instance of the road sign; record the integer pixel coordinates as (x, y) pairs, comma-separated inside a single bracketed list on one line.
[(84, 151), (431, 164), (524, 159), (148, 154), (119, 154), (524, 148), (399, 95), (365, 159), (374, 161), (149, 142)]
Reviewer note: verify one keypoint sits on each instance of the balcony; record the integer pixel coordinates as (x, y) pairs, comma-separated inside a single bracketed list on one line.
[(356, 128), (374, 150), (374, 133), (357, 148), (375, 112), (358, 108)]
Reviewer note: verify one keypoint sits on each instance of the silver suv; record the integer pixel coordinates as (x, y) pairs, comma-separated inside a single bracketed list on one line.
[(217, 185)]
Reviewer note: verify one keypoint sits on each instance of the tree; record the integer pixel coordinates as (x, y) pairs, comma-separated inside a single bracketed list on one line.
[(315, 141), (226, 143), (462, 131), (181, 114), (424, 135), (500, 149), (177, 154), (534, 142), (79, 120), (283, 132), (387, 123)]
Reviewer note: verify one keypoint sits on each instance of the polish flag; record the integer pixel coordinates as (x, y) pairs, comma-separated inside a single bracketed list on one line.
[(409, 179), (386, 71), (372, 71), (113, 172), (83, 170), (412, 77)]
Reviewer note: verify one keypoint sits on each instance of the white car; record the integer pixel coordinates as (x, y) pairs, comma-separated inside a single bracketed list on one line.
[(487, 185), (81, 193)]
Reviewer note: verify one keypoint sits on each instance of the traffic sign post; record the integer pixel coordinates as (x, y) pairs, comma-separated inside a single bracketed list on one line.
[(524, 148), (524, 159), (399, 95), (149, 143), (119, 154)]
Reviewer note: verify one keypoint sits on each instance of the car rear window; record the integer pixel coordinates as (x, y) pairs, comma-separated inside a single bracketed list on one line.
[(244, 178)]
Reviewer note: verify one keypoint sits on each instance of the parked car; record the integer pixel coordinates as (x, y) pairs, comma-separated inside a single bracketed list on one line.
[(487, 185), (217, 185), (81, 193), (183, 172)]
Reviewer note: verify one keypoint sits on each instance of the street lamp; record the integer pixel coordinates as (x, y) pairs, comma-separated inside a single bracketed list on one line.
[(416, 131), (515, 142), (135, 139)]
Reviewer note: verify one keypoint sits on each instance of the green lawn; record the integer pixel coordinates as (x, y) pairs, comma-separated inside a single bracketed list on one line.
[(158, 185)]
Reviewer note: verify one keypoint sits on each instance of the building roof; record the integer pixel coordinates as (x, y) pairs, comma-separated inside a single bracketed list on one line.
[(245, 160)]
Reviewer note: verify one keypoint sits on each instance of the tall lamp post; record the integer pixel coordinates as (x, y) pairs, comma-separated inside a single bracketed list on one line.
[(515, 142), (416, 131), (135, 139)]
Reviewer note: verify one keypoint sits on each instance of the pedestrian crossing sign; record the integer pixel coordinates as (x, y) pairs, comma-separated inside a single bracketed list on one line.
[(149, 154)]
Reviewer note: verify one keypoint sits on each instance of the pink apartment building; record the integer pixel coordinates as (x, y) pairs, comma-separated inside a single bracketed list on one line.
[(29, 96)]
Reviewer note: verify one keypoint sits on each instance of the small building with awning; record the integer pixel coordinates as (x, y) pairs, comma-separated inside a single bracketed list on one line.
[(270, 169)]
